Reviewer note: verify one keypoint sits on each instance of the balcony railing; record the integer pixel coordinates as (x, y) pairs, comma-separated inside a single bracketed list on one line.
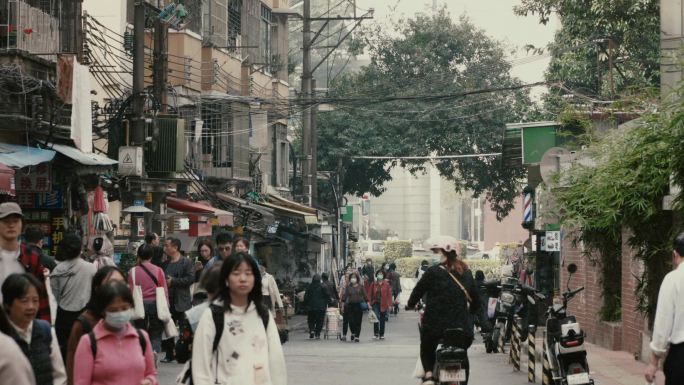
[(27, 28)]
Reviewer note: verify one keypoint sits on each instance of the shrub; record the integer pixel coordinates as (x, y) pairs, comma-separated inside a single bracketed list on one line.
[(490, 267), (397, 249)]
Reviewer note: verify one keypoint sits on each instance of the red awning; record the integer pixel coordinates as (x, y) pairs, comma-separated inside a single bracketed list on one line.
[(7, 186), (225, 218)]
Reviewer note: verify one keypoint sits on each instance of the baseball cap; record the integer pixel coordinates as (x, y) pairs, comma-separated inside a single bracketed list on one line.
[(10, 208)]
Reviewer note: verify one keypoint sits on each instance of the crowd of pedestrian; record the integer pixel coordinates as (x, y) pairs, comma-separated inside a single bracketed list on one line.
[(106, 326)]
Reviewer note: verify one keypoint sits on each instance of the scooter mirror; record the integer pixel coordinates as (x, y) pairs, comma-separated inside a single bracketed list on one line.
[(572, 268)]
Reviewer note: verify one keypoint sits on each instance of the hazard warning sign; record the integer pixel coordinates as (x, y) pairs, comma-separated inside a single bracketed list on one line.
[(130, 161)]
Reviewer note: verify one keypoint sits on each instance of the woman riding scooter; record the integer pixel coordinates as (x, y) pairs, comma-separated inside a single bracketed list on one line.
[(452, 297)]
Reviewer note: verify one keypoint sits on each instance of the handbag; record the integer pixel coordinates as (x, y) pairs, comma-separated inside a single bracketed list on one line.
[(163, 312), (170, 330), (364, 306), (372, 317), (138, 305)]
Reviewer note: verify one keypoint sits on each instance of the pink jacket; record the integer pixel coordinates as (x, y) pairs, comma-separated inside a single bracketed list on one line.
[(143, 280), (118, 361)]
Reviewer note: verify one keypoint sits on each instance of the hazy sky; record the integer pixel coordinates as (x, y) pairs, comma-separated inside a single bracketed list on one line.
[(496, 17)]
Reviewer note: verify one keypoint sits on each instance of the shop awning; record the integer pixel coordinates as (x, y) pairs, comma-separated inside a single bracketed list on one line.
[(308, 217), (83, 158), (7, 180), (200, 209), (266, 213), (17, 156)]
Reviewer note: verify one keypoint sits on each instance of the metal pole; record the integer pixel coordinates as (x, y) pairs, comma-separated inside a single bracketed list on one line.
[(307, 186), (138, 118), (546, 370), (139, 75), (340, 248), (531, 354)]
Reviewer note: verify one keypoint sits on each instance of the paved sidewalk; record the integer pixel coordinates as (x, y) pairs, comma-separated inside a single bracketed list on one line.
[(617, 368)]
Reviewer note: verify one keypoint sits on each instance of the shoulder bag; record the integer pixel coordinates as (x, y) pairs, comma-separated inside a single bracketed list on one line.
[(163, 312), (138, 305), (453, 277)]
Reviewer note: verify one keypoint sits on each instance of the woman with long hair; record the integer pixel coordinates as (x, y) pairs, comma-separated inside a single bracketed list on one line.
[(87, 320), (246, 348), (451, 300)]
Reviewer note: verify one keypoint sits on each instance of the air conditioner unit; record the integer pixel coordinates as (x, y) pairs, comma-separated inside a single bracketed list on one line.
[(167, 152)]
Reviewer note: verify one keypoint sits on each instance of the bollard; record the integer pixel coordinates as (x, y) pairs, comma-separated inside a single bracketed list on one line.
[(531, 354), (515, 345), (546, 369)]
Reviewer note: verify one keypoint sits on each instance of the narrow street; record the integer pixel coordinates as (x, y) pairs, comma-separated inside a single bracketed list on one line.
[(331, 362)]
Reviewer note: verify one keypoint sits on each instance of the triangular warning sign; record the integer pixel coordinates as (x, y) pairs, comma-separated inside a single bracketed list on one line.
[(127, 159)]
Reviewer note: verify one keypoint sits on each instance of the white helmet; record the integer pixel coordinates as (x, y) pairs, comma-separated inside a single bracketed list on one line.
[(445, 245)]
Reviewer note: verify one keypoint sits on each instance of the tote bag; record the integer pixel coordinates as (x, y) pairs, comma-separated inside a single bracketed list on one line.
[(163, 312), (138, 305)]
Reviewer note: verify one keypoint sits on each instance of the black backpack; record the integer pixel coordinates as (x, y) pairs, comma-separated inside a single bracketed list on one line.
[(218, 316)]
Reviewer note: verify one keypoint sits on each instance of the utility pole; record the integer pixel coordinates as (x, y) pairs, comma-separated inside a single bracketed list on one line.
[(161, 63), (138, 118), (307, 135), (309, 161)]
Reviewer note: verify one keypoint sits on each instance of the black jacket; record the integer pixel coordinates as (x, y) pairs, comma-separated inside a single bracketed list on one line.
[(316, 297), (446, 304)]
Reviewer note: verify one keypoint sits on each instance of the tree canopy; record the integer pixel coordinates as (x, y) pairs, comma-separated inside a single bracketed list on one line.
[(411, 101), (580, 50)]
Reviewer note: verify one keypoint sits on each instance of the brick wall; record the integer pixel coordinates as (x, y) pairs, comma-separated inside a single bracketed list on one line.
[(633, 323), (586, 306)]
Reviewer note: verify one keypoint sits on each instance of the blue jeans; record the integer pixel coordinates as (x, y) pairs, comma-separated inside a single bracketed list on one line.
[(379, 327)]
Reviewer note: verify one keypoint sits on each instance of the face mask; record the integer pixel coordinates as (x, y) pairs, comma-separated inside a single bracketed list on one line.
[(119, 319), (353, 280), (380, 276)]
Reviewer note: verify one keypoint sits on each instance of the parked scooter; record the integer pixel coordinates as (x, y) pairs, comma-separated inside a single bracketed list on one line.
[(489, 292), (564, 343), (514, 299)]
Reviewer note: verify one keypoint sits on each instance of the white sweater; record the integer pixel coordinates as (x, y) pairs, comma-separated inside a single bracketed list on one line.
[(247, 354)]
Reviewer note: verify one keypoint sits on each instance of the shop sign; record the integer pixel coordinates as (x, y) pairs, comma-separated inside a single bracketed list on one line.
[(26, 200), (141, 226), (50, 200), (553, 241), (34, 179)]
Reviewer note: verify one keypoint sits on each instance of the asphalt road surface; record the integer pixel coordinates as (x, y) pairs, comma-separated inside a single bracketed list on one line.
[(391, 362)]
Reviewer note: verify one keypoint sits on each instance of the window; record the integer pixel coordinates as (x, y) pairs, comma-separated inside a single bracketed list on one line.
[(282, 164), (234, 23), (265, 34)]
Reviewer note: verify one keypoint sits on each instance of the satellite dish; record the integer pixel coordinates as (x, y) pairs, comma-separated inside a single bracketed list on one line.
[(554, 160)]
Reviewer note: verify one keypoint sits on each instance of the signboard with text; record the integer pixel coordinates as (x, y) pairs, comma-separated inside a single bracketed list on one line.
[(34, 179)]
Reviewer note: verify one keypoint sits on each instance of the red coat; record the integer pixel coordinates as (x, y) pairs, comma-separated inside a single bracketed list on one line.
[(385, 295)]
